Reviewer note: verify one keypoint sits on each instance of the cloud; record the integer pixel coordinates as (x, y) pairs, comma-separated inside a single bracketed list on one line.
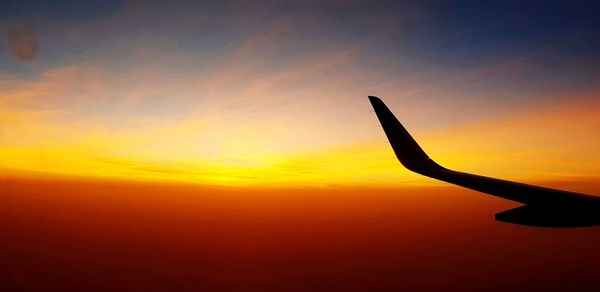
[(23, 43)]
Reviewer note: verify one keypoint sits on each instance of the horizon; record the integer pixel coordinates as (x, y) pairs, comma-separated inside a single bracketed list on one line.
[(230, 145)]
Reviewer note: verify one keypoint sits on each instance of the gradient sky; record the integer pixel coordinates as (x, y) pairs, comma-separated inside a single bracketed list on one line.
[(274, 92)]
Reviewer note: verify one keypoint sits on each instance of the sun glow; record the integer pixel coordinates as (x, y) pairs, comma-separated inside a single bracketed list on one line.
[(213, 150)]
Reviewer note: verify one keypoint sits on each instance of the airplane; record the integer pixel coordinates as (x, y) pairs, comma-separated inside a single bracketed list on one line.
[(543, 207)]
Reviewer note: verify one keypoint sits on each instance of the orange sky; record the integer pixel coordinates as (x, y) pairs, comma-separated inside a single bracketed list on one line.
[(230, 145), (547, 142), (246, 100), (68, 123)]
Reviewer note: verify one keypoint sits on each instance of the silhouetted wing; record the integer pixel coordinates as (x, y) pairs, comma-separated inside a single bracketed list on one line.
[(415, 159)]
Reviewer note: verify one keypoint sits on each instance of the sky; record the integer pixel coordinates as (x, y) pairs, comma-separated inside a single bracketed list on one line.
[(268, 93), (230, 145)]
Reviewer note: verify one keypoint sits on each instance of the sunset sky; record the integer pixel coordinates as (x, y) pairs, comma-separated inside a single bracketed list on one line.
[(274, 92), (219, 145)]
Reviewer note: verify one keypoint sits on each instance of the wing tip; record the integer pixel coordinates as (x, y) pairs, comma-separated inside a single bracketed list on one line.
[(373, 98), (407, 150)]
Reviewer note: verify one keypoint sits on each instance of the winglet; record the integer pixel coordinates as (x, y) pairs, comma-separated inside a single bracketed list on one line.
[(414, 158), (406, 148)]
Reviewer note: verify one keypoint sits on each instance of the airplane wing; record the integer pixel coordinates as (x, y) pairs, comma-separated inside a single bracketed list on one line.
[(415, 159)]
